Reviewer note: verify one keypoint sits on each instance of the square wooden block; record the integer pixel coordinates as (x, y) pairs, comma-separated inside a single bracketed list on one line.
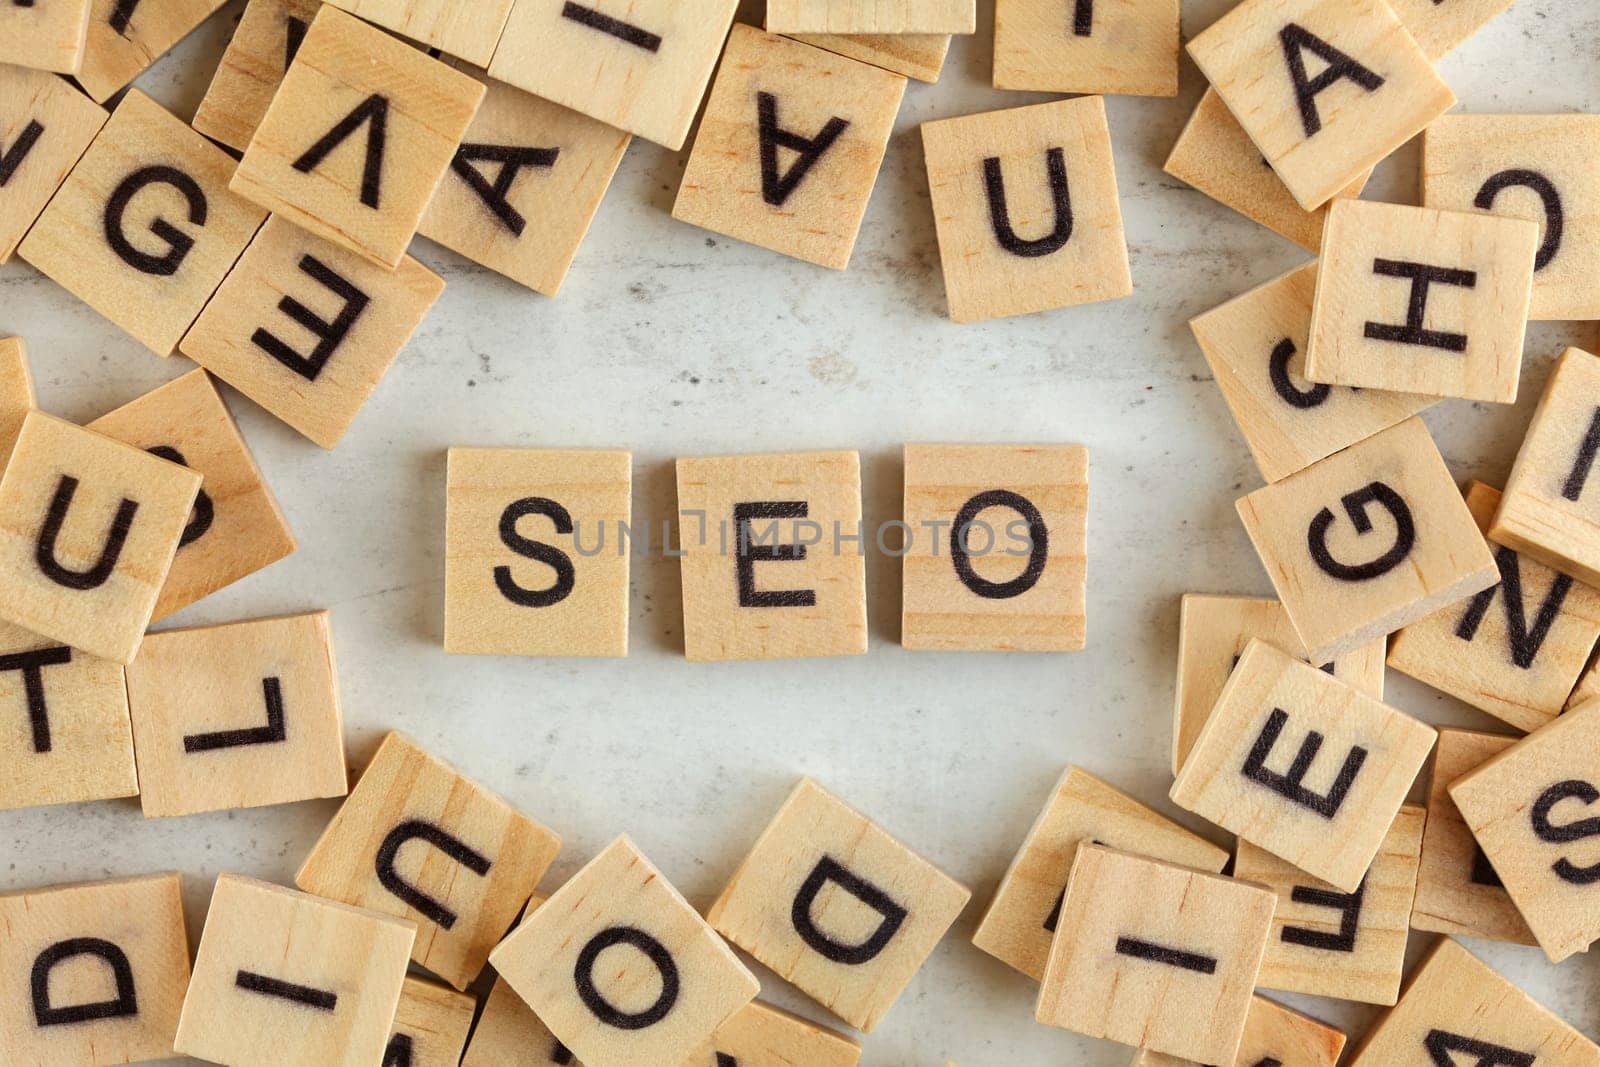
[(308, 329), (1216, 156), (1516, 650), (16, 391), (915, 55), (144, 229), (358, 137), (1415, 300), (872, 16), (1273, 1034), (126, 37), (48, 36), (1025, 204), (88, 530), (258, 55), (1137, 935), (638, 65), (1325, 88), (1458, 892), (469, 31), (1087, 46), (1026, 910), (789, 147), (236, 527), (524, 187), (668, 981), (1368, 540), (764, 576), (1458, 1011), (1440, 28), (237, 716), (45, 126), (1588, 687), (472, 864), (535, 559), (800, 904), (1525, 807), (508, 1032), (759, 1033), (283, 979), (997, 552), (1327, 807), (1551, 508), (92, 974), (1256, 346), (1213, 632), (430, 1026)]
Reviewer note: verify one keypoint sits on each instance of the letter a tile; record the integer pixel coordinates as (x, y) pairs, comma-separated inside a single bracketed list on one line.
[(836, 906), (430, 1026), (1087, 46), (1272, 1035), (45, 36), (269, 34), (509, 1034), (760, 1034), (45, 126)]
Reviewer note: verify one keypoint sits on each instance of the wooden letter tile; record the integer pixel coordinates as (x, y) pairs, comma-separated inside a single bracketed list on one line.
[(45, 36), (875, 16), (638, 65), (1272, 1035), (92, 974), (430, 1026), (764, 574), (535, 559), (307, 329), (760, 1034), (667, 982), (264, 44), (1157, 955), (469, 31), (1026, 910), (1525, 807), (358, 137), (1458, 1011), (833, 904), (283, 979), (125, 39), (1087, 46), (1303, 765), (554, 164), (16, 391), (1415, 300), (1588, 687), (1325, 88), (144, 228), (237, 716), (1368, 540), (45, 125), (1025, 204), (916, 56), (1551, 508), (419, 840), (1458, 892), (509, 1034), (1516, 650), (88, 530), (1440, 28)]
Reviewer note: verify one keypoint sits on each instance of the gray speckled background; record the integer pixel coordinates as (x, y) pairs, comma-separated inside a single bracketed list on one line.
[(672, 341)]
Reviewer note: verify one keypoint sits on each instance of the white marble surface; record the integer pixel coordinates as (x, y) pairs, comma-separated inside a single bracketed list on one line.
[(671, 341)]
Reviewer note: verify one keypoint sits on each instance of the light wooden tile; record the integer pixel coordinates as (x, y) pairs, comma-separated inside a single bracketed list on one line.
[(1368, 540), (144, 229), (1273, 1034), (1326, 808), (1458, 1011), (308, 329), (1458, 892), (638, 65), (283, 979), (509, 1034), (358, 137), (761, 1034), (1440, 28), (1255, 345), (420, 840), (1515, 651), (430, 1026), (1525, 806), (789, 147), (668, 981), (126, 37), (1137, 935), (259, 53), (45, 126), (1015, 581), (1325, 88), (88, 530), (48, 36), (799, 904), (1551, 508), (1213, 632), (1026, 910), (524, 187), (469, 31), (872, 16), (1415, 300), (16, 392), (915, 55), (1087, 46), (1588, 687), (92, 974), (763, 575), (1025, 204), (237, 716), (536, 563)]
